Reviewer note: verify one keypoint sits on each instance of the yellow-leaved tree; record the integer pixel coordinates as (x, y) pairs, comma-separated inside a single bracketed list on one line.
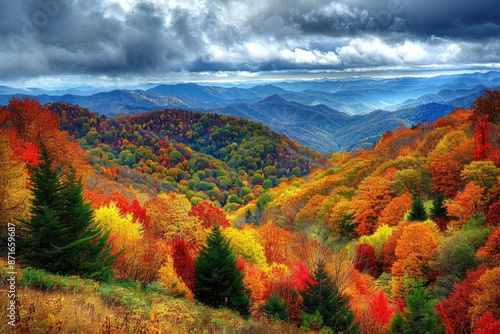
[(170, 218), (377, 239), (246, 247), (125, 236), (14, 194)]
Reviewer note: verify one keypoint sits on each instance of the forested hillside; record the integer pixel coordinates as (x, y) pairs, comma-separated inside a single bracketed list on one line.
[(402, 238), (220, 158)]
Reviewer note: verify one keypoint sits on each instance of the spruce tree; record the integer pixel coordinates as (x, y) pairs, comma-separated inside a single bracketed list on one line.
[(276, 308), (87, 251), (61, 235), (421, 316), (397, 324), (417, 212), (43, 227), (438, 210), (325, 297), (219, 283)]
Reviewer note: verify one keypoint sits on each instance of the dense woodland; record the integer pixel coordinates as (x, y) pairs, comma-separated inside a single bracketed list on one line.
[(403, 238)]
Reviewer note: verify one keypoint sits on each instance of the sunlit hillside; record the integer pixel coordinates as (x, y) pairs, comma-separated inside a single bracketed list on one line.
[(186, 222)]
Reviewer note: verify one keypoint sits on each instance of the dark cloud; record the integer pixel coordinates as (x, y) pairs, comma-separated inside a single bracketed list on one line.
[(122, 38)]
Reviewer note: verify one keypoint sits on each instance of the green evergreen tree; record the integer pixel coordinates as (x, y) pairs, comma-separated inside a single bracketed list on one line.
[(88, 252), (219, 283), (397, 324), (421, 316), (417, 212), (61, 235), (276, 308), (325, 297), (438, 209)]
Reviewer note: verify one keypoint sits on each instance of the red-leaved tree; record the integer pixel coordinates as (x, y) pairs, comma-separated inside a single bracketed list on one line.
[(365, 261), (183, 263)]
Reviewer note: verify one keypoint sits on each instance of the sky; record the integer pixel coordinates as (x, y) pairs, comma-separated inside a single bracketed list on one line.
[(51, 42)]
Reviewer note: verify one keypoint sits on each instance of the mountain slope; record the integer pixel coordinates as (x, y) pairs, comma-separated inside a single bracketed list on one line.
[(327, 130)]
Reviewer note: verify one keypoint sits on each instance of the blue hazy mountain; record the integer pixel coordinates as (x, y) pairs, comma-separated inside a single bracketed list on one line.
[(327, 115), (325, 129)]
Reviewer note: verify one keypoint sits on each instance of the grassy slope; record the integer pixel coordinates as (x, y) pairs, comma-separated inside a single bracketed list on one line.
[(54, 304)]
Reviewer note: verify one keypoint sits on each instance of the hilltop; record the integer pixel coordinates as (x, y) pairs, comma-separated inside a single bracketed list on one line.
[(315, 113), (224, 159), (408, 226)]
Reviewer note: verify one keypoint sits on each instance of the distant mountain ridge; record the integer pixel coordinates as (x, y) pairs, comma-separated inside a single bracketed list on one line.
[(327, 115), (325, 129)]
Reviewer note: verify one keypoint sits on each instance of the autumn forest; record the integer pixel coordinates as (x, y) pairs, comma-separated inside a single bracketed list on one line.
[(176, 221)]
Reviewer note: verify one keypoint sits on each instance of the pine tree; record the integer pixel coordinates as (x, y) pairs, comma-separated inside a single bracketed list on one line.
[(219, 283), (87, 250), (421, 316), (397, 324), (43, 227), (61, 235), (417, 212), (438, 210), (325, 297), (276, 308)]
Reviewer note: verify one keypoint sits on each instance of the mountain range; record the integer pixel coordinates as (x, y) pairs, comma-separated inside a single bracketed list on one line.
[(327, 115)]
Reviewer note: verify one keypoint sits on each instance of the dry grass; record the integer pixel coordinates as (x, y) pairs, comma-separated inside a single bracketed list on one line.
[(54, 304)]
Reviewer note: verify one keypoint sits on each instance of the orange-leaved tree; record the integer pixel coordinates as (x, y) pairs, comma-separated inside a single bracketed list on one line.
[(415, 249), (467, 204), (276, 242), (373, 195), (486, 295), (394, 212), (446, 175)]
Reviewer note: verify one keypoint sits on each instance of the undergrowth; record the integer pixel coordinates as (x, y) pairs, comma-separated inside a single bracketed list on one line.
[(48, 303)]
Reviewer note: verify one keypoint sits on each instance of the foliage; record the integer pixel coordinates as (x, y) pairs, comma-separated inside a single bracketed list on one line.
[(417, 212), (179, 148), (381, 311), (377, 239), (323, 297), (395, 211), (491, 249), (458, 303), (486, 295), (13, 179), (170, 280), (183, 263), (245, 246), (397, 324), (61, 235), (415, 249), (365, 259), (421, 316), (456, 257), (276, 308), (438, 211), (487, 324), (373, 195), (467, 204), (219, 283)]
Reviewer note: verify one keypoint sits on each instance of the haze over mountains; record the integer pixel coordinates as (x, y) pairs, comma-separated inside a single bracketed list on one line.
[(327, 115)]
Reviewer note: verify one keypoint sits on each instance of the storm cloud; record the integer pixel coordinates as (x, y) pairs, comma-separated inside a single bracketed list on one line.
[(127, 37)]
